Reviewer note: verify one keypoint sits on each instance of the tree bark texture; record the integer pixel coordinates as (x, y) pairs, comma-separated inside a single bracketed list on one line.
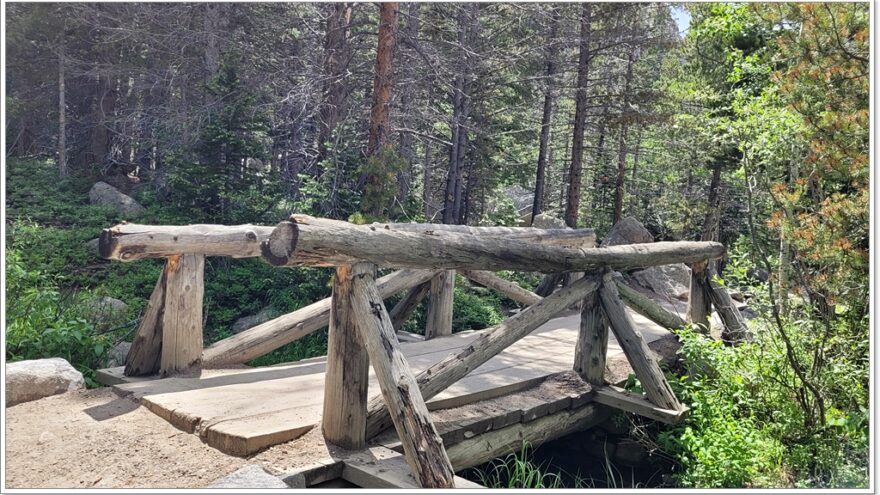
[(575, 172), (547, 114)]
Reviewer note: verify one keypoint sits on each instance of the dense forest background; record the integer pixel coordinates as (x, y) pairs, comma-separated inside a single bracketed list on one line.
[(750, 128)]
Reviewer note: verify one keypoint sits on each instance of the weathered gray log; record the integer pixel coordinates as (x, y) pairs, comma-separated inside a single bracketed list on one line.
[(454, 367), (506, 287), (440, 302), (548, 284), (699, 303), (573, 238), (619, 398), (268, 336), (636, 349), (308, 241), (646, 307), (735, 328), (422, 445), (592, 343), (407, 304), (345, 383), (129, 242), (182, 316), (146, 349)]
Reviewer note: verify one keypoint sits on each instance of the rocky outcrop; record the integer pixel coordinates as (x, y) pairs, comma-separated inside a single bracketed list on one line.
[(246, 322), (249, 476), (35, 379), (104, 194), (627, 231), (106, 308), (545, 221)]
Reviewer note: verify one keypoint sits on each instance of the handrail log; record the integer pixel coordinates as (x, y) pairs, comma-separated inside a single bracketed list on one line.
[(573, 238), (130, 241), (308, 241)]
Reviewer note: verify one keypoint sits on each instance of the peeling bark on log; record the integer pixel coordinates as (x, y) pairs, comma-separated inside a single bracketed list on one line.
[(146, 350), (266, 337), (182, 316), (636, 349), (422, 445), (308, 241), (506, 287), (454, 367), (130, 242), (343, 421)]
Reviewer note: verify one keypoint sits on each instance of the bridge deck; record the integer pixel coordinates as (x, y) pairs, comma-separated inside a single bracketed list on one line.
[(241, 411)]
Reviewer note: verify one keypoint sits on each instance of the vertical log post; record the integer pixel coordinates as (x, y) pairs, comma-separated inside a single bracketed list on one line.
[(592, 342), (735, 329), (345, 384), (146, 349), (182, 319), (699, 307), (422, 445), (635, 348), (440, 305)]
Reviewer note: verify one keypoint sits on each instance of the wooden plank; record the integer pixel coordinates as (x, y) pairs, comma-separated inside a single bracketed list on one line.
[(636, 349), (182, 318), (308, 241), (438, 377), (646, 307), (129, 241), (422, 445), (345, 384), (380, 467), (146, 349), (506, 287), (592, 343), (735, 328), (405, 307), (619, 398), (439, 318), (266, 337)]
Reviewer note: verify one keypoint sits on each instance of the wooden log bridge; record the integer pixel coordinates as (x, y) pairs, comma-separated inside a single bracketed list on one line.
[(362, 331)]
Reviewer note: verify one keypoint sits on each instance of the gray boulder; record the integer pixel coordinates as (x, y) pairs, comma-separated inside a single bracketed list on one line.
[(665, 280), (38, 378), (117, 354), (627, 231), (249, 476), (246, 322), (106, 308), (92, 246), (104, 194), (545, 221)]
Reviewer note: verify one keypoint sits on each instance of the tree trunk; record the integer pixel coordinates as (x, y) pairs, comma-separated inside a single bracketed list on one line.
[(621, 144), (407, 147), (634, 185), (379, 116), (337, 48), (62, 113), (547, 116), (580, 119), (699, 301)]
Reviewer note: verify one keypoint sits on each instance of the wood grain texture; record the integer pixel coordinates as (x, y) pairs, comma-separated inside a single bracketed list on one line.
[(308, 241), (266, 337), (344, 417), (636, 349), (592, 343), (440, 301), (182, 318), (146, 349), (619, 398), (506, 287), (454, 367), (422, 445), (129, 241), (574, 238)]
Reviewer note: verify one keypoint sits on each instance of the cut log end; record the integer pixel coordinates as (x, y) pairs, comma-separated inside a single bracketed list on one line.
[(279, 248)]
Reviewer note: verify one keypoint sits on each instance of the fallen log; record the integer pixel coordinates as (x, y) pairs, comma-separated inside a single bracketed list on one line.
[(307, 241), (454, 367), (130, 242), (266, 337), (506, 287)]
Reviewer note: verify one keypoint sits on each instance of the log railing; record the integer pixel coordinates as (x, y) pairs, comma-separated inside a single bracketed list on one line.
[(362, 331)]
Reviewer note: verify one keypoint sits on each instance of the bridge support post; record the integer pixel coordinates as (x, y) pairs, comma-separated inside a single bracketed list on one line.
[(592, 342), (422, 445), (182, 318), (699, 304), (345, 384), (439, 321), (146, 349)]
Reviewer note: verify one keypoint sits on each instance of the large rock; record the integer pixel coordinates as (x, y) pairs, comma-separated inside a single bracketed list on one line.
[(106, 308), (35, 379), (545, 221), (246, 322), (117, 354), (665, 280), (104, 194), (249, 476), (627, 231)]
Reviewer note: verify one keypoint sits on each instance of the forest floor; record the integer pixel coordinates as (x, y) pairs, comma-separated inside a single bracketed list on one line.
[(96, 439)]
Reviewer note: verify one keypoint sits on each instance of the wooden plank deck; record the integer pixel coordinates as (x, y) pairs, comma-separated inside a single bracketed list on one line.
[(241, 411)]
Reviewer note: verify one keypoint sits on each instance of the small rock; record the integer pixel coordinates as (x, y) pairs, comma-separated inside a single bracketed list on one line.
[(627, 231), (45, 437), (105, 307), (249, 476), (104, 194), (38, 378), (737, 296), (118, 354), (246, 322)]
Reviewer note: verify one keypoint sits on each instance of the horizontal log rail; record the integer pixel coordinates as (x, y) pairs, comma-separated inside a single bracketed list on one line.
[(130, 242), (308, 241)]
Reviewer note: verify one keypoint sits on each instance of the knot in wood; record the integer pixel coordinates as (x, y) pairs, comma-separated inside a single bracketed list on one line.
[(251, 235)]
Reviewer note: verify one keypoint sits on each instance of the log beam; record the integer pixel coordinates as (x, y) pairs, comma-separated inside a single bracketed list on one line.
[(405, 307), (592, 343), (699, 303), (506, 287), (343, 421), (636, 349), (440, 302), (646, 307), (129, 241), (266, 337), (146, 349), (573, 238), (182, 317), (422, 445), (307, 241), (454, 367)]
